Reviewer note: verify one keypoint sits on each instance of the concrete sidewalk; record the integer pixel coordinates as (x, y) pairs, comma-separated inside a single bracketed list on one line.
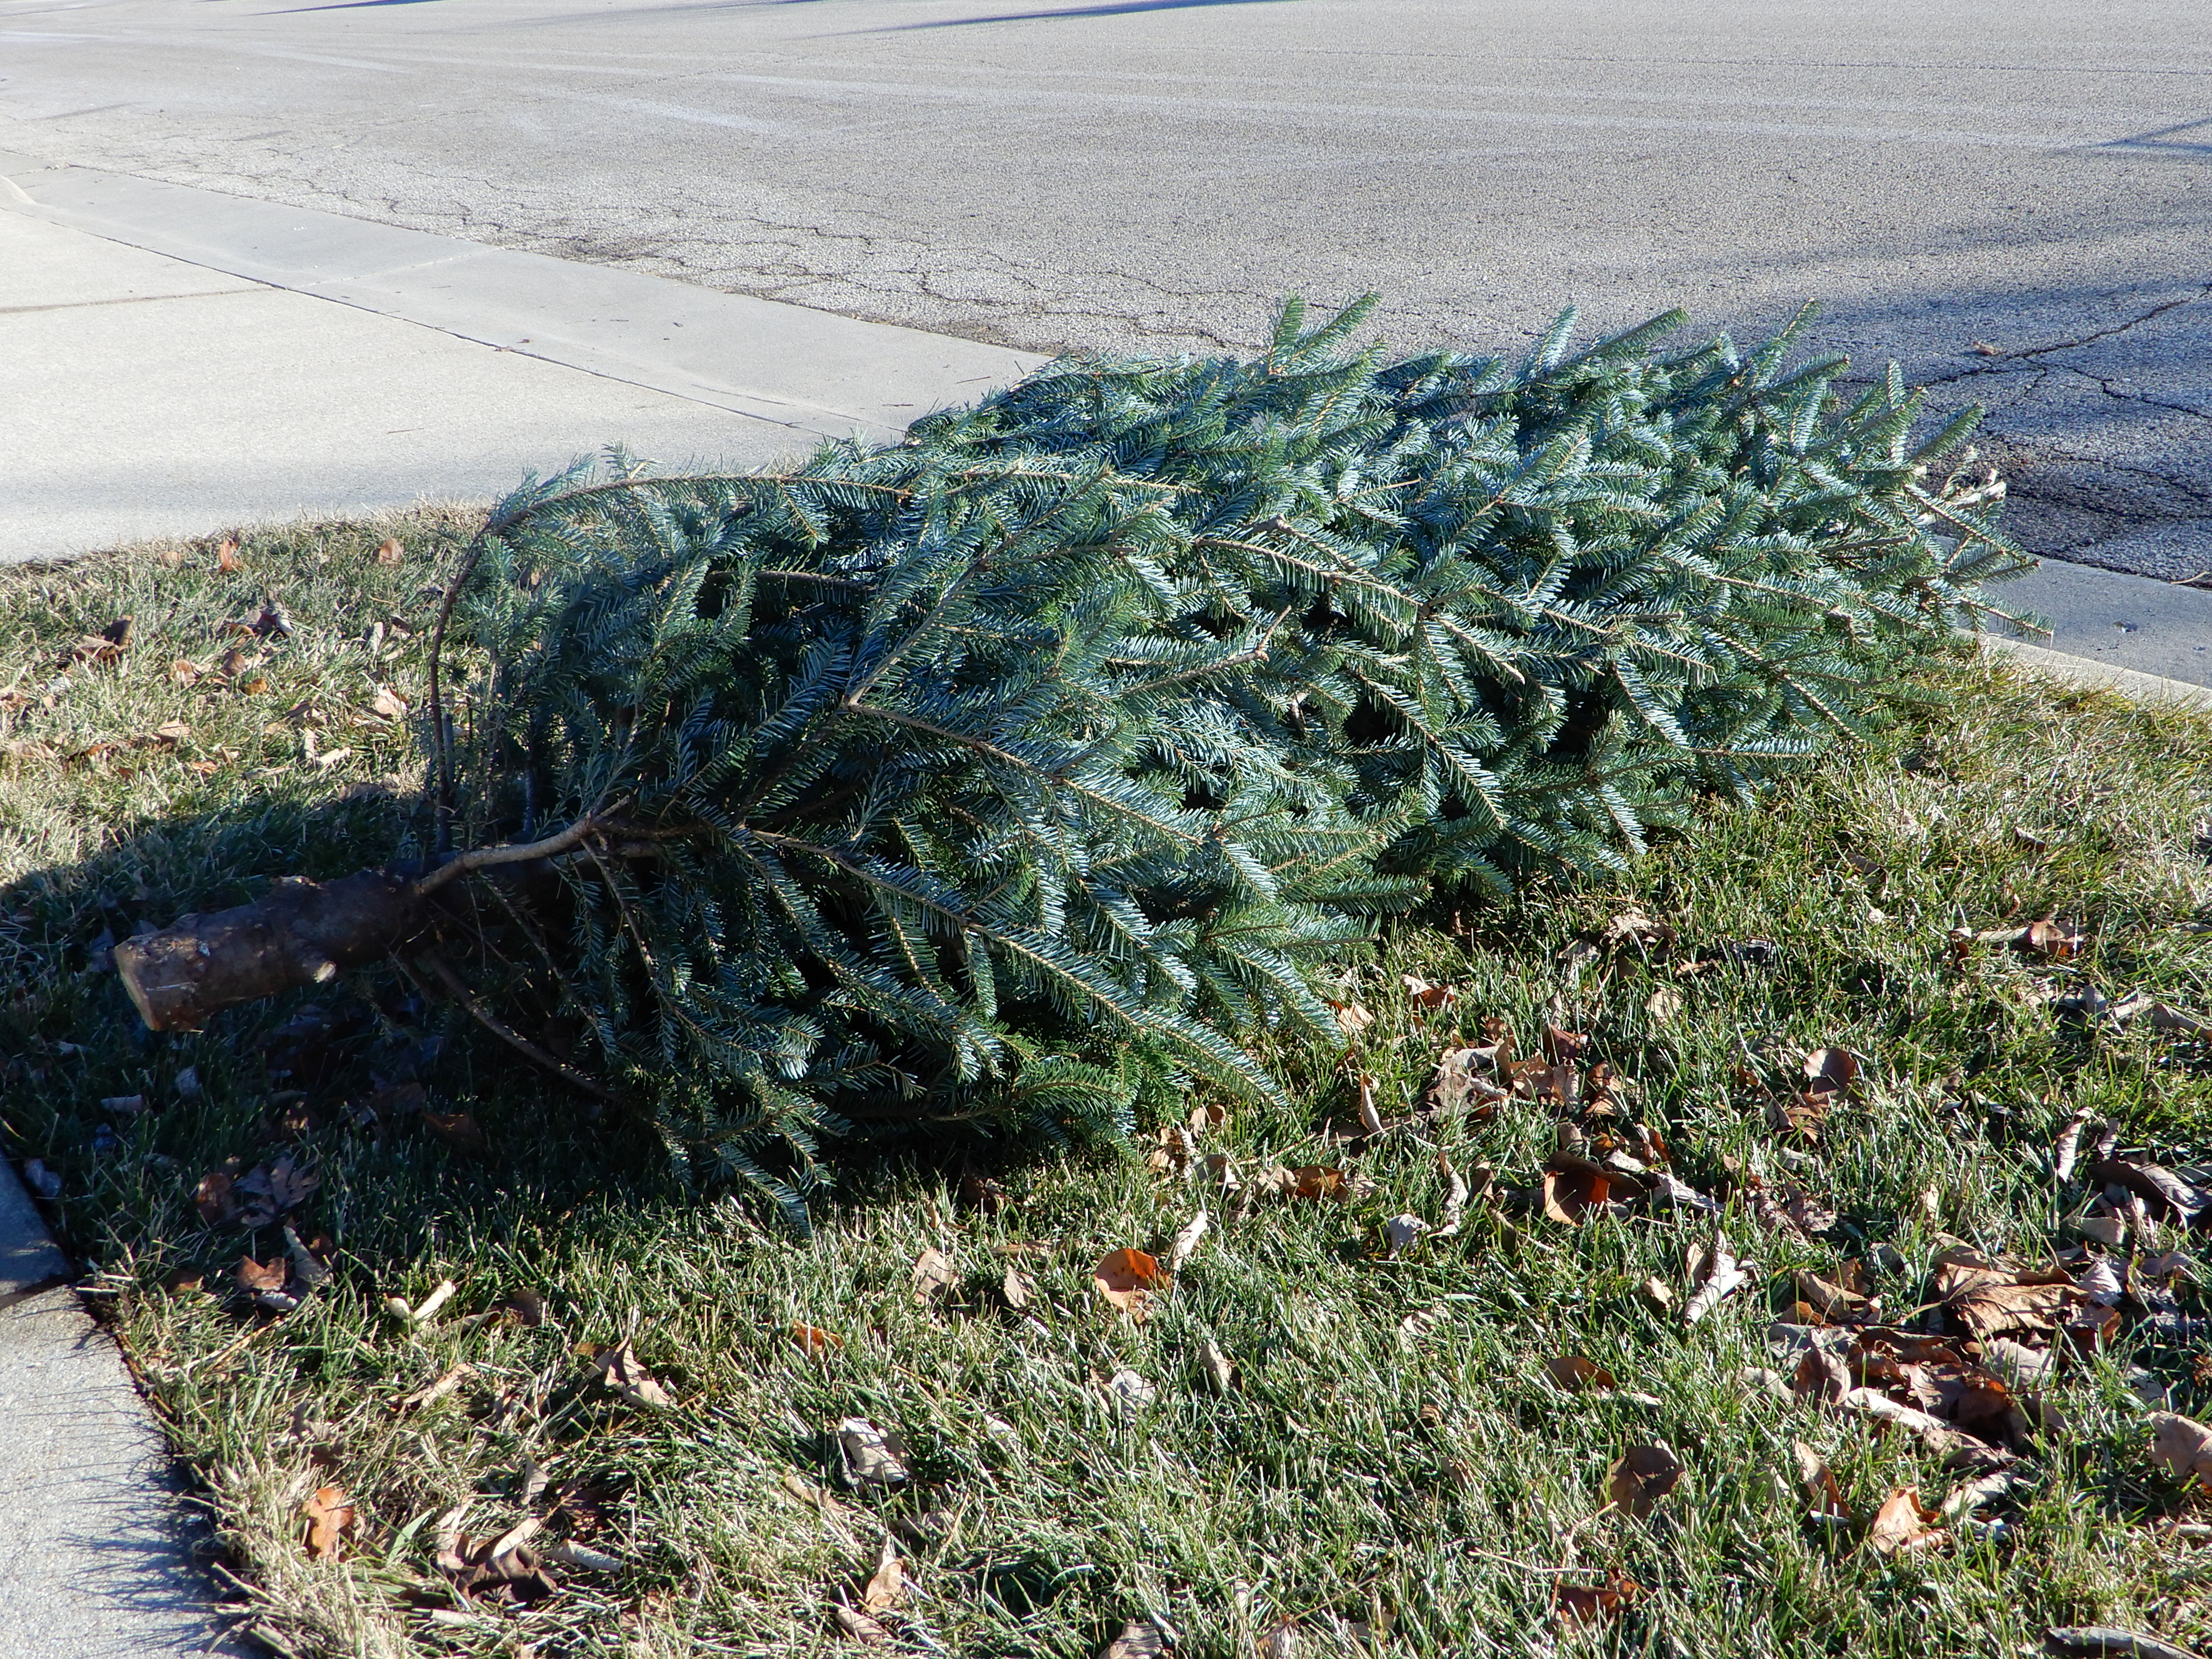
[(173, 361), (92, 1533)]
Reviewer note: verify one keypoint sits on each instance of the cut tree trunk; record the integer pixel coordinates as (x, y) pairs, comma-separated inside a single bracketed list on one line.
[(302, 934)]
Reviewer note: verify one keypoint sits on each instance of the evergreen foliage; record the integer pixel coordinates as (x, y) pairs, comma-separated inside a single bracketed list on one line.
[(1010, 774)]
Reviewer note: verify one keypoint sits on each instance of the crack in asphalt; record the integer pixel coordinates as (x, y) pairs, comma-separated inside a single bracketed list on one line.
[(2004, 362)]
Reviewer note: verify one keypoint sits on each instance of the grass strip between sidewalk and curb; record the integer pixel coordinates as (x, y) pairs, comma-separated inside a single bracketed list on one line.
[(631, 1428)]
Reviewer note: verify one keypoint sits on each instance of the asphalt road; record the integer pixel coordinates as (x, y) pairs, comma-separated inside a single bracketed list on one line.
[(2011, 198)]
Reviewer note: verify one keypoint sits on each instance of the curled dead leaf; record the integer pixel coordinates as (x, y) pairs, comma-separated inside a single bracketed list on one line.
[(624, 1374), (1141, 1638), (1465, 1081), (1351, 1018), (1715, 1274), (390, 551), (1571, 1195), (213, 1199), (330, 1517), (263, 1278), (1992, 1295), (1219, 1370), (871, 1457), (815, 1342), (1821, 1490), (1901, 1524), (886, 1588), (1187, 1241), (1425, 995)]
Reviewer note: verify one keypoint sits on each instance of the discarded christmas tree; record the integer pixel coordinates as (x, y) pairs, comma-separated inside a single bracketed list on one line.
[(1015, 773)]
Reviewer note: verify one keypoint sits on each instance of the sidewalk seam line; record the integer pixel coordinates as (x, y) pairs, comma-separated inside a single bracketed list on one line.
[(67, 222)]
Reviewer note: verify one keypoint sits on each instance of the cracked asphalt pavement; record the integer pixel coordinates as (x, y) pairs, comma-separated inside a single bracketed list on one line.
[(2009, 198)]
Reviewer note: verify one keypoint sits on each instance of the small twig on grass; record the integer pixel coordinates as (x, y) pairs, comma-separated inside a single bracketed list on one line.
[(217, 1361)]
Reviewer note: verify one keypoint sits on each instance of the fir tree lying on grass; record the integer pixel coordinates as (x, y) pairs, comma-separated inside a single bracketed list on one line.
[(1011, 775)]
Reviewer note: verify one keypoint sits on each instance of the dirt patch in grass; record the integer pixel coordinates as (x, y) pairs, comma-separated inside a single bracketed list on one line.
[(1347, 1417)]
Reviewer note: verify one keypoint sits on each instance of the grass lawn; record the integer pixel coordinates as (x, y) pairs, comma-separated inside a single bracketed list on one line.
[(1387, 1464)]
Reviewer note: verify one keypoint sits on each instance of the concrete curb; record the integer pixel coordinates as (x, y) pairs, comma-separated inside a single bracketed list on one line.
[(92, 1531), (2152, 690)]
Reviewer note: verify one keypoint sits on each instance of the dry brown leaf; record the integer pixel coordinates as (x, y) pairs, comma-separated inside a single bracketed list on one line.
[(1715, 1274), (389, 704), (263, 1278), (1633, 928), (1318, 1180), (1462, 1082), (1425, 995), (459, 1130), (1128, 1278), (1131, 1391), (2053, 941), (2182, 1447), (1017, 1290), (1901, 1524), (1821, 1374), (1974, 1494), (861, 1628), (1572, 1194), (871, 1457), (1186, 1242), (624, 1374), (1401, 1232), (1642, 1476), (1139, 1639), (1840, 1296), (1818, 1481), (1584, 1605), (2107, 1641), (213, 1199), (226, 556), (979, 1192), (1577, 1375), (1665, 1003), (887, 1589), (1370, 1119), (933, 1275), (330, 1515), (1219, 1370), (2171, 1198), (815, 1342), (389, 550), (1830, 1072), (1992, 1296), (1351, 1018)]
